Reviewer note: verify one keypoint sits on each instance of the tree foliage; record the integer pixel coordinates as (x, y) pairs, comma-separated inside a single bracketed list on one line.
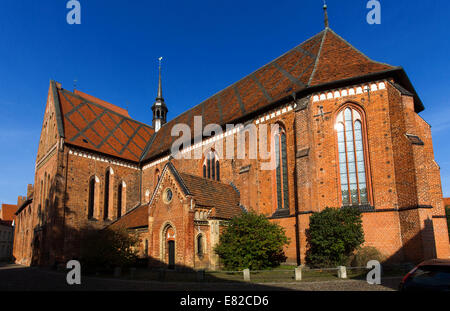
[(108, 248), (251, 241), (365, 254), (333, 236)]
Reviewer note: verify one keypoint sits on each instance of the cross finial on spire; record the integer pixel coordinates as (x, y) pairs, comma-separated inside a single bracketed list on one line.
[(325, 7)]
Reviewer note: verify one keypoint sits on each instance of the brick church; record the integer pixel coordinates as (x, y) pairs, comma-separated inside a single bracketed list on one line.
[(349, 134)]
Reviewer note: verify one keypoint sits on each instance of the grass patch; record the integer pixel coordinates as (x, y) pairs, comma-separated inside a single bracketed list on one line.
[(282, 274)]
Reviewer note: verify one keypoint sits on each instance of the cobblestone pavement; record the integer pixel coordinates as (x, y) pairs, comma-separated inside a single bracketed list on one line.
[(20, 278)]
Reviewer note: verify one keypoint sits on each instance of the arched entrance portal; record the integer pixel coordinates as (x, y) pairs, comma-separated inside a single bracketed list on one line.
[(168, 246)]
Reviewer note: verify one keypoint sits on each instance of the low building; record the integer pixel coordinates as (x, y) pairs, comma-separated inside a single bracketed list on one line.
[(6, 240), (7, 212), (7, 231)]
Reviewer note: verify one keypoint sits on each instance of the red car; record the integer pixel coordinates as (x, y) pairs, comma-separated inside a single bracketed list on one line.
[(430, 275)]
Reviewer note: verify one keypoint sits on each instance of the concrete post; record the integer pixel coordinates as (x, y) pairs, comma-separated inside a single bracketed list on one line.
[(298, 273), (342, 272), (246, 275)]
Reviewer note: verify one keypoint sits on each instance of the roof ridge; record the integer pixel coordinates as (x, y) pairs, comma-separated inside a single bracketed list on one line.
[(316, 62), (57, 106), (147, 147)]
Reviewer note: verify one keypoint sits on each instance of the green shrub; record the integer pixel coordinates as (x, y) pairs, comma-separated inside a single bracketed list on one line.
[(251, 241), (102, 250), (333, 236), (365, 254)]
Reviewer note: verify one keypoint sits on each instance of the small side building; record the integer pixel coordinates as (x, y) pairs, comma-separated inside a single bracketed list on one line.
[(6, 240), (7, 231), (181, 224)]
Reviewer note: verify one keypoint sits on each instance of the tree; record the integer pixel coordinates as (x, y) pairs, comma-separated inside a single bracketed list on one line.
[(107, 248), (333, 236), (251, 241)]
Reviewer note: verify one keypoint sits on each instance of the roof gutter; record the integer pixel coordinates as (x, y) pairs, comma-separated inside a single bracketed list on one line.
[(24, 204)]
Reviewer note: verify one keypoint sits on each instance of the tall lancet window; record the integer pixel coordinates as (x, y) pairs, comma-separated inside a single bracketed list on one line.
[(281, 171), (211, 166), (350, 130), (106, 202), (91, 198), (119, 200)]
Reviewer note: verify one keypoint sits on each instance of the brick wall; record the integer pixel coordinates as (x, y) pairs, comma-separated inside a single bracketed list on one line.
[(405, 192)]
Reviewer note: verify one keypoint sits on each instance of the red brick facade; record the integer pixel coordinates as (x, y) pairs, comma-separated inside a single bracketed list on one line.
[(304, 92)]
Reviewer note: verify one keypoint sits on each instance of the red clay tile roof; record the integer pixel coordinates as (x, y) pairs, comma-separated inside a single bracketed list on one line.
[(207, 193), (213, 194), (338, 60), (96, 100), (135, 218), (99, 126), (324, 58), (7, 212)]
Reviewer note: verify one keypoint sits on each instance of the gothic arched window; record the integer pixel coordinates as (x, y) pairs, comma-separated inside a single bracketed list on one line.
[(200, 245), (281, 172), (350, 129), (211, 166), (91, 197), (106, 201), (156, 178), (119, 200)]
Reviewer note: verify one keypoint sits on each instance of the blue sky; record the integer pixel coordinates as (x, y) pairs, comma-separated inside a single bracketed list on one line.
[(206, 45)]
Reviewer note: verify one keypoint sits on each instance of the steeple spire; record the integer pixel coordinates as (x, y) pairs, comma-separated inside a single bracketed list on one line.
[(325, 7), (159, 107), (159, 82)]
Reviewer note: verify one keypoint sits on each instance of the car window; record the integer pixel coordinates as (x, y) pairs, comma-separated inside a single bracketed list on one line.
[(432, 275)]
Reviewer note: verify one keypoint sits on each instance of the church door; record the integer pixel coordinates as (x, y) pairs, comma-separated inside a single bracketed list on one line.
[(171, 254)]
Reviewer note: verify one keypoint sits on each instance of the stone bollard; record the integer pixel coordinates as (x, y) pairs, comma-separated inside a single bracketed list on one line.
[(342, 272), (298, 273), (200, 275), (117, 272), (246, 275), (132, 272)]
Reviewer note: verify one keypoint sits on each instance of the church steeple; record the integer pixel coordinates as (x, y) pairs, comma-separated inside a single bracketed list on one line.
[(159, 107)]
